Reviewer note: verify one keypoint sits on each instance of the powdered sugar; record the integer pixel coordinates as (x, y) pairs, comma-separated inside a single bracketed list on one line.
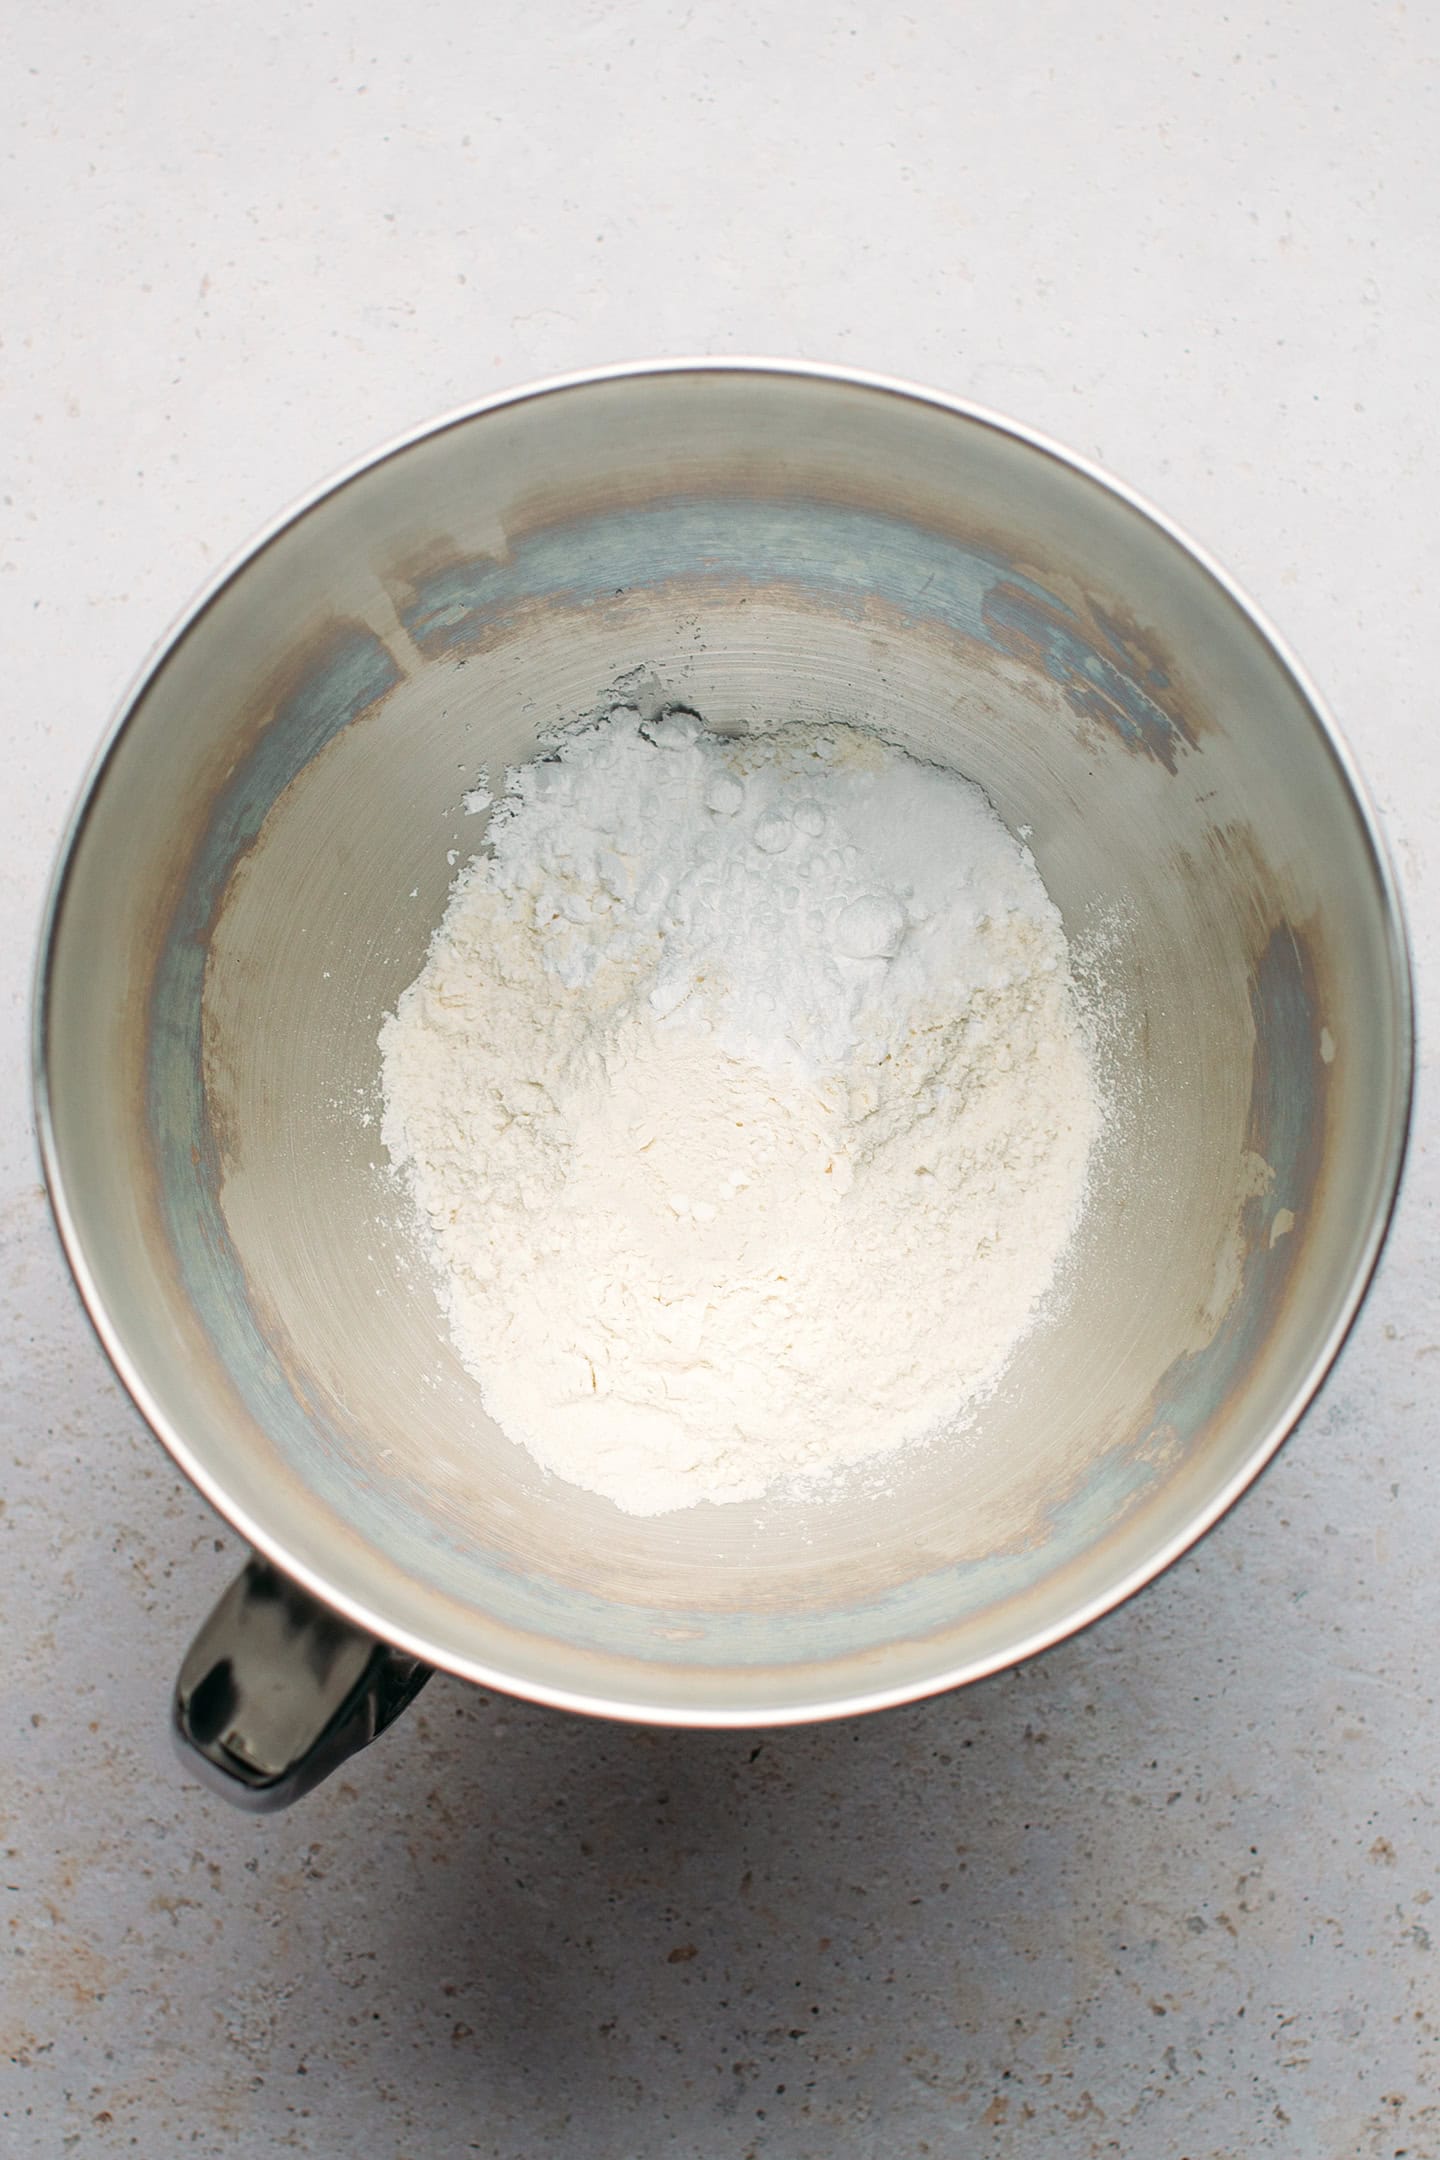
[(744, 1095)]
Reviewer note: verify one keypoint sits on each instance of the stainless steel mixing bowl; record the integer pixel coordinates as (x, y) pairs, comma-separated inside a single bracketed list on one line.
[(265, 847)]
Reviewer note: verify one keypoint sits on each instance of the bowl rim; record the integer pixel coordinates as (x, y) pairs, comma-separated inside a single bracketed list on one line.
[(823, 1707)]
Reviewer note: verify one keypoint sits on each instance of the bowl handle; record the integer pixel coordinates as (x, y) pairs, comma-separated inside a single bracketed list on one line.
[(277, 1690)]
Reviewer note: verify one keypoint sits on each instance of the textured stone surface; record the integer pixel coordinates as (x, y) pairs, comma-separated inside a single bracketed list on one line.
[(1167, 1892)]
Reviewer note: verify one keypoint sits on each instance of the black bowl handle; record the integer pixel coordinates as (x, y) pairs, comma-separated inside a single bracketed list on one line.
[(277, 1691)]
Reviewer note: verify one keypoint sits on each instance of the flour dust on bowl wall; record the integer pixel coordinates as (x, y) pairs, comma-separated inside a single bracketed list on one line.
[(721, 1043)]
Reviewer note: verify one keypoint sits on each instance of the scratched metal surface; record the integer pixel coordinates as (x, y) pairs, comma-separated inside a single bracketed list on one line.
[(1168, 1890)]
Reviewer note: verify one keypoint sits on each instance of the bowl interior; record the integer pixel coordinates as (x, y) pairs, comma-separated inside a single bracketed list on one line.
[(269, 846)]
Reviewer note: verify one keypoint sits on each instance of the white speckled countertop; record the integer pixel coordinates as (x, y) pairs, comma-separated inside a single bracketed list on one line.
[(1168, 1892)]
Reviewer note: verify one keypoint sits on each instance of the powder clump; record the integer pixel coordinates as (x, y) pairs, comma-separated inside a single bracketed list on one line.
[(745, 1103)]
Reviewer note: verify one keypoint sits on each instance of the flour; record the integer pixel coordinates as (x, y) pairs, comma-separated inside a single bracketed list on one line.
[(745, 1101)]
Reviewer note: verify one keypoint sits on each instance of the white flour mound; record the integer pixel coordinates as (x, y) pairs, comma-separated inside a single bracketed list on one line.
[(745, 1098)]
